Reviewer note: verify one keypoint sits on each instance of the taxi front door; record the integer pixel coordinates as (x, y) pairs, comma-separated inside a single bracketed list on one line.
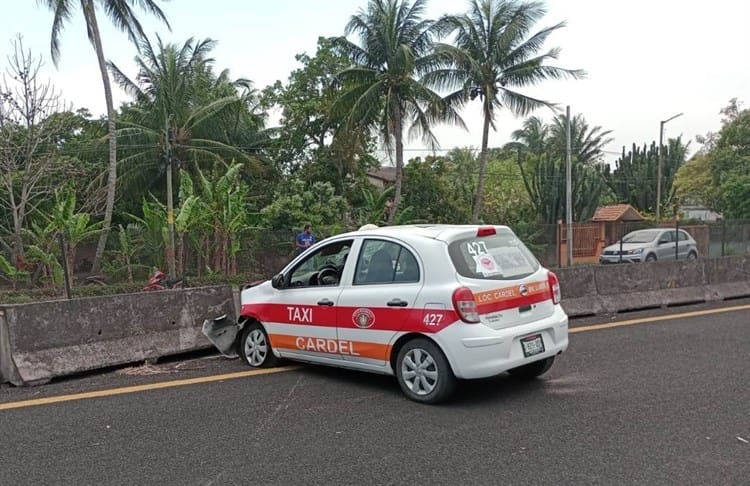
[(304, 322)]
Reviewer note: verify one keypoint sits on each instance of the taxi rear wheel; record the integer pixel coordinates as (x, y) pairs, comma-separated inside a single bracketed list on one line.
[(423, 372), (532, 370), (255, 348)]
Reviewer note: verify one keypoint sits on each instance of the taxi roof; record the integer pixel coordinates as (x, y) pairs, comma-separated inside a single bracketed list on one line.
[(442, 232)]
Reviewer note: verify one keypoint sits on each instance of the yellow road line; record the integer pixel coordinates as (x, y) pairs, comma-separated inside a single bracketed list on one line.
[(245, 374), (645, 320), (142, 388)]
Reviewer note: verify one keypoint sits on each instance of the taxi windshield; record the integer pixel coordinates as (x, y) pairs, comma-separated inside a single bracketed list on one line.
[(498, 257)]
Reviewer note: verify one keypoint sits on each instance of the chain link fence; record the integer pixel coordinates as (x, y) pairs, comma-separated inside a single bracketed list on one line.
[(265, 251)]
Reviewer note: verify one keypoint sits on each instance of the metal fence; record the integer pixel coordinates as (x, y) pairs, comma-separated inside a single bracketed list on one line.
[(265, 251)]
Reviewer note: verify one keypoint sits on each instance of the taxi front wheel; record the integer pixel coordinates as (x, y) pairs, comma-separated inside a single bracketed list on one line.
[(423, 372), (255, 348)]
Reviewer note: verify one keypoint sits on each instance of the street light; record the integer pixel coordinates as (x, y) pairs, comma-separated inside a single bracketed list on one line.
[(661, 156)]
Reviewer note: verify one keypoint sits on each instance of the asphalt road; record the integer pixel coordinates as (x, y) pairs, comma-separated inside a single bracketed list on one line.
[(664, 402)]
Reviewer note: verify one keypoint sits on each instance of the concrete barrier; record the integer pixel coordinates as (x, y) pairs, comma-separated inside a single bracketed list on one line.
[(580, 297), (619, 288), (44, 340)]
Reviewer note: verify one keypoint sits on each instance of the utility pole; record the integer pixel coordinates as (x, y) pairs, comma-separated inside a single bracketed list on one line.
[(569, 190), (170, 205), (659, 167)]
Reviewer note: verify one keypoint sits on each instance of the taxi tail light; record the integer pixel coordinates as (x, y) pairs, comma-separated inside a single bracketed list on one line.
[(466, 307), (486, 231), (554, 286)]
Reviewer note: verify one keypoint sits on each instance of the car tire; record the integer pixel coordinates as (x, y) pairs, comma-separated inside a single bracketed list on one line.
[(423, 372), (692, 256), (254, 347), (533, 370), (651, 257)]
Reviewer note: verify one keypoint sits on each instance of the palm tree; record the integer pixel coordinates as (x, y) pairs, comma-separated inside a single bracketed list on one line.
[(183, 108), (120, 13), (494, 54), (381, 90), (587, 143), (541, 151), (533, 135)]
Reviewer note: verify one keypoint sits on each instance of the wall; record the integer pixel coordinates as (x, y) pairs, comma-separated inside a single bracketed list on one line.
[(44, 340), (604, 289)]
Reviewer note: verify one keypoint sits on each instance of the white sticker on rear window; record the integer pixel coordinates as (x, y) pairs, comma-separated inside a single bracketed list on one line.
[(487, 265)]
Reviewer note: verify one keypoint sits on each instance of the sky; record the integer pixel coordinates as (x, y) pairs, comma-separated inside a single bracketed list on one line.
[(646, 60)]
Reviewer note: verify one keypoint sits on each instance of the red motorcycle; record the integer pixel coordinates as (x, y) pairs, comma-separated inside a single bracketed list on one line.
[(160, 281)]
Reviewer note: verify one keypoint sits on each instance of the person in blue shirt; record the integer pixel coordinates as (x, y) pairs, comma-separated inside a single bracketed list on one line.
[(304, 240)]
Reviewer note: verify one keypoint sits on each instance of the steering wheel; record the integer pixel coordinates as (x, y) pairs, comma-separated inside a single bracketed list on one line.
[(328, 275)]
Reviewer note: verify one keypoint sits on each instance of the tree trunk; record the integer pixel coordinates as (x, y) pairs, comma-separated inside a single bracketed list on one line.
[(71, 257), (398, 134), (217, 250), (181, 254), (129, 267), (18, 252), (482, 164), (90, 14)]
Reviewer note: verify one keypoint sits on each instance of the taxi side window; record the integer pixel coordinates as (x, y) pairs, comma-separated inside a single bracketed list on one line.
[(321, 267), (384, 262)]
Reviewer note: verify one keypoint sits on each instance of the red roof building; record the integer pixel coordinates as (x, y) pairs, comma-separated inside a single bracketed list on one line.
[(617, 212)]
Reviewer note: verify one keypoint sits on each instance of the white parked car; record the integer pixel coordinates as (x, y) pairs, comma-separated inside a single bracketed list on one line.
[(650, 245), (427, 303)]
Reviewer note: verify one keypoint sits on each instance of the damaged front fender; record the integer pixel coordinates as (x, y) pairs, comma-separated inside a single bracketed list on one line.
[(222, 332)]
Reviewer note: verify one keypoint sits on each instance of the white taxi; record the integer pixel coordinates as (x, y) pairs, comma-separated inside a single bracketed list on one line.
[(427, 303)]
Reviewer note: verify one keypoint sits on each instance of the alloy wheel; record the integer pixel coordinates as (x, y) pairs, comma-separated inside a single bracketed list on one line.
[(419, 371)]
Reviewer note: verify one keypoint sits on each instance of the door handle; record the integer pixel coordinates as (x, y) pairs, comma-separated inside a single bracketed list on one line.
[(327, 302), (397, 303)]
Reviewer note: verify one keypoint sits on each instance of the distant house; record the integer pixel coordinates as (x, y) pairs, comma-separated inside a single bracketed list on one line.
[(615, 219), (382, 177), (616, 213), (700, 213)]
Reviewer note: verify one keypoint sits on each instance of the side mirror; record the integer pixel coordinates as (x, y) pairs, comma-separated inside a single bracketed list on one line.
[(277, 281)]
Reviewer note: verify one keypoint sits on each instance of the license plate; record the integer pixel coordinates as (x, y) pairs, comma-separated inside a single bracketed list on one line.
[(532, 345)]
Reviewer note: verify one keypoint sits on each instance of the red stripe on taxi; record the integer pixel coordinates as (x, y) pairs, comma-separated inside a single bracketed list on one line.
[(375, 318), (512, 297)]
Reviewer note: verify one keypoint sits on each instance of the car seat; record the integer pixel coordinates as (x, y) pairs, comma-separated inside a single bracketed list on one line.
[(380, 269)]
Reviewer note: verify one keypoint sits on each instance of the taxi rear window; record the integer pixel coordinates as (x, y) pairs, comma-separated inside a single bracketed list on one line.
[(498, 257)]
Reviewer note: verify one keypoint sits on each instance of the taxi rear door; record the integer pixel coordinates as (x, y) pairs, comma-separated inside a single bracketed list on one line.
[(379, 302)]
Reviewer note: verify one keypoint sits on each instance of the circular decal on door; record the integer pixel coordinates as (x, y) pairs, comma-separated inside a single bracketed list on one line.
[(363, 318)]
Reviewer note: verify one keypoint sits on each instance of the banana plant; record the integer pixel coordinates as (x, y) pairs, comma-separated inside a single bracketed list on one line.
[(11, 273), (376, 208), (154, 235), (75, 227), (130, 238), (44, 253), (225, 201), (191, 216)]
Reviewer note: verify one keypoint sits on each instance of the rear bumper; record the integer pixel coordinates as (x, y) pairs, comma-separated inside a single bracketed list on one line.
[(477, 351), (616, 258)]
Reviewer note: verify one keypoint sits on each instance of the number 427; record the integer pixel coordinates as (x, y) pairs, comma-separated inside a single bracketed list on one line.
[(432, 319)]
